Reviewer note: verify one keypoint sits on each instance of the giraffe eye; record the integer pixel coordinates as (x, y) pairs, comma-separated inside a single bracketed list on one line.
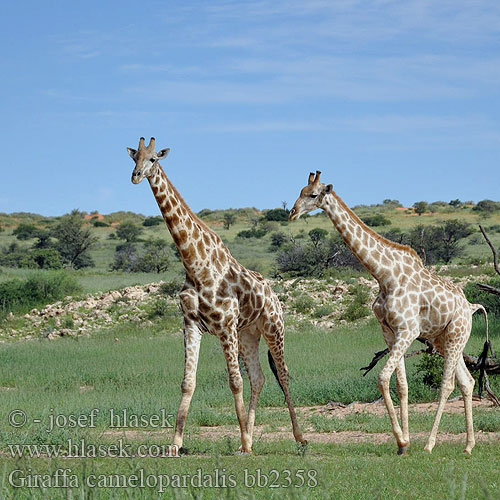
[(313, 196)]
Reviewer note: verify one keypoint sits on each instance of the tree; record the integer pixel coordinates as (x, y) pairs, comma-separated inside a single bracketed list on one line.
[(455, 203), (156, 257), (229, 220), (487, 206), (317, 235), (420, 207), (25, 231), (129, 232), (376, 220), (125, 257), (277, 214), (278, 239), (152, 221), (441, 243), (74, 241)]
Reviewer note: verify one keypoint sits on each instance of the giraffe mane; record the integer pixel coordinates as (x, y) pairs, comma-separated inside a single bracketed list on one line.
[(188, 208), (375, 235)]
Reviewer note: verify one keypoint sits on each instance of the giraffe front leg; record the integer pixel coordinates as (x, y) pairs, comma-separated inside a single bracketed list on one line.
[(192, 341), (230, 348), (398, 349), (402, 388)]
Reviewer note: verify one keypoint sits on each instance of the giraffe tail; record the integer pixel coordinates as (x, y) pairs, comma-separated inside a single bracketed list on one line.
[(481, 360), (272, 365)]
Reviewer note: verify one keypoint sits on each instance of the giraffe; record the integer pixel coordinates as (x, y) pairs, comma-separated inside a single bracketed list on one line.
[(220, 297), (412, 302)]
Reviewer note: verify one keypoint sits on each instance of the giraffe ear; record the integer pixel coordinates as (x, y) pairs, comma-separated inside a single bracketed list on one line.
[(329, 188), (162, 153), (131, 152)]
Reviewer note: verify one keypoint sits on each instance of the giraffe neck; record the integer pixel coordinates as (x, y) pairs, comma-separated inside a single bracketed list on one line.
[(377, 254), (198, 245)]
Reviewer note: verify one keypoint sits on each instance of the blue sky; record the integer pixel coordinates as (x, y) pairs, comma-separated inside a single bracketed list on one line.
[(389, 99)]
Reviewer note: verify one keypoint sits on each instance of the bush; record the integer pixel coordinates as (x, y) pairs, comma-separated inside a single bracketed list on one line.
[(252, 233), (38, 290), (430, 367), (155, 257), (47, 258), (128, 231), (277, 214), (25, 231), (171, 288), (152, 221), (490, 301), (278, 239), (74, 241), (357, 307), (99, 223), (323, 310), (303, 304), (376, 220), (487, 206)]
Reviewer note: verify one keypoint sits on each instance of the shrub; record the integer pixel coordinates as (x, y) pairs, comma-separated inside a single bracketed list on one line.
[(430, 367), (171, 288), (487, 206), (47, 258), (38, 290), (303, 304), (420, 207), (152, 221), (74, 241), (488, 300), (317, 235), (357, 308), (278, 239), (128, 231), (376, 220), (323, 310), (25, 231), (277, 214), (252, 233), (100, 223)]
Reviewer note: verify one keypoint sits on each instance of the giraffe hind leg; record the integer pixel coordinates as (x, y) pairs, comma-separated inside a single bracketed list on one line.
[(249, 350), (465, 383), (275, 345)]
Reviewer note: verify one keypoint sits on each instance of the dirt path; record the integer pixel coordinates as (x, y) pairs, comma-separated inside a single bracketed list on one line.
[(338, 410)]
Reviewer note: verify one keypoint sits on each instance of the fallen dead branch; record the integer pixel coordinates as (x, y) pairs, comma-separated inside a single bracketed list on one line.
[(492, 365)]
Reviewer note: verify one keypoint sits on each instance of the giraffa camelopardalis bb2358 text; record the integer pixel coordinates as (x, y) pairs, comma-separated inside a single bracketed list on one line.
[(219, 296), (412, 302)]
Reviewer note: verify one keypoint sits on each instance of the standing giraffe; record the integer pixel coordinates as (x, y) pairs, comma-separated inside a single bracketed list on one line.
[(412, 302), (221, 297)]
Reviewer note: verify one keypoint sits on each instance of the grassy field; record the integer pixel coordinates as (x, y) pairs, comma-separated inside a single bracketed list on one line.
[(139, 369)]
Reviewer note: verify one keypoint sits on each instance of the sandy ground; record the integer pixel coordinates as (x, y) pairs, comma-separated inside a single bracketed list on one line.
[(336, 410)]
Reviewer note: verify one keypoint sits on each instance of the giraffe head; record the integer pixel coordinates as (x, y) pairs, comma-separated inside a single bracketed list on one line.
[(311, 196), (145, 159)]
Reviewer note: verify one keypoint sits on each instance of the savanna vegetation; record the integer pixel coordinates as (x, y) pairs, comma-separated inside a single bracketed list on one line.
[(135, 362)]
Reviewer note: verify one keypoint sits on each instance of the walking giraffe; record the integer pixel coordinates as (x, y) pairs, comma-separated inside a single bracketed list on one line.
[(220, 297), (412, 302)]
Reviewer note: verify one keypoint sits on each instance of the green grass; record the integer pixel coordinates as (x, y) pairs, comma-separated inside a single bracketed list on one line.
[(139, 369)]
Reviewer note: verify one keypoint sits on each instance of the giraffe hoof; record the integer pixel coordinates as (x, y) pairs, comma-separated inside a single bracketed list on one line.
[(242, 453), (468, 451), (428, 449), (402, 450)]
